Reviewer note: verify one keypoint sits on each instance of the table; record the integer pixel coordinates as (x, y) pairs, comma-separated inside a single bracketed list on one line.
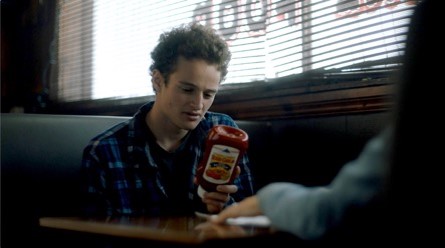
[(180, 230)]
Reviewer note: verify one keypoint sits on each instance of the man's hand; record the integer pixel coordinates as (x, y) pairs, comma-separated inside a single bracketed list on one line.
[(216, 201)]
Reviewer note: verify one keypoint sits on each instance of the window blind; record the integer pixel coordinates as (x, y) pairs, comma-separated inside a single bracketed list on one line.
[(104, 45)]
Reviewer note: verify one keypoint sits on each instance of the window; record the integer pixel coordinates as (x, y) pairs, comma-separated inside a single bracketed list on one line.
[(104, 45)]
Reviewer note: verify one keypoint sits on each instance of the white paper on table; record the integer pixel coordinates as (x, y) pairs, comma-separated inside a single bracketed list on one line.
[(260, 220)]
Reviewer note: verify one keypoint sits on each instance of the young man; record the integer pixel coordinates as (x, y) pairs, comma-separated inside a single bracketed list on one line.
[(147, 165)]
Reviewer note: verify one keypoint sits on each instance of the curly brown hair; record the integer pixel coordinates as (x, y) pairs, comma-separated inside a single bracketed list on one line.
[(192, 41)]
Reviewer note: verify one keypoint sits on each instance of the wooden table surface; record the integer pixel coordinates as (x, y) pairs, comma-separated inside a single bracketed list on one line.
[(178, 229)]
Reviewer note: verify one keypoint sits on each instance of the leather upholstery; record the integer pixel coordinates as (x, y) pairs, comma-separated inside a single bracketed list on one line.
[(41, 156)]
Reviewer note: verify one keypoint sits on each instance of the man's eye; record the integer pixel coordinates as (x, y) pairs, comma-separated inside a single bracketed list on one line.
[(208, 95), (187, 89)]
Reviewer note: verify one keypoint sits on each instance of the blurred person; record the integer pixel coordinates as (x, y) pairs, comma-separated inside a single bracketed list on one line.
[(391, 191), (147, 165)]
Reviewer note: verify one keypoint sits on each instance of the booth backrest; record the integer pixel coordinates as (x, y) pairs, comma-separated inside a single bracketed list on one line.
[(40, 165), (41, 158)]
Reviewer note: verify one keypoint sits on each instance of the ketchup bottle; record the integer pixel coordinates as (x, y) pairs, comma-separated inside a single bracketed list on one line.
[(224, 147)]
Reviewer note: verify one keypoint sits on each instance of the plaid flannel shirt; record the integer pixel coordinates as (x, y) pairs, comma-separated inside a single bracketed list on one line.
[(122, 177)]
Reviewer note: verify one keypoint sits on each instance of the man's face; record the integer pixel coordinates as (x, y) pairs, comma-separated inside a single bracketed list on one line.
[(189, 93)]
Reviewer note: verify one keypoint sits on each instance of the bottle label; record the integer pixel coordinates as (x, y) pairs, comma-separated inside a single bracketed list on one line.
[(220, 165)]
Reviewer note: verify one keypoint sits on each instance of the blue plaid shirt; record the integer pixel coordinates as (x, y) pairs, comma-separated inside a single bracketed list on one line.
[(123, 175)]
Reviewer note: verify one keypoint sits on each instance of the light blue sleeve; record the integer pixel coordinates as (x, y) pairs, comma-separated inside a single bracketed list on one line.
[(309, 212)]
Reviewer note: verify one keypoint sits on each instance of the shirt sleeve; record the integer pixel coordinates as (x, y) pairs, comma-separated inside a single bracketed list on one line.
[(309, 212), (93, 203)]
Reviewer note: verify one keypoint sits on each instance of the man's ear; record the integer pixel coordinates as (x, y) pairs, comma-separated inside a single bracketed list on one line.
[(157, 79)]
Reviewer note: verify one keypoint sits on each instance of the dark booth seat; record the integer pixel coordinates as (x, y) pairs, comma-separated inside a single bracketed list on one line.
[(41, 156)]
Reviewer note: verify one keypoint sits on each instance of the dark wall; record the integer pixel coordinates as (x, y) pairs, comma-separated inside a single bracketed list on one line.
[(27, 31), (311, 151)]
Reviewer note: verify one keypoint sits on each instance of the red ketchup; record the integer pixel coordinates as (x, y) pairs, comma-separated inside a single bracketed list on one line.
[(225, 146)]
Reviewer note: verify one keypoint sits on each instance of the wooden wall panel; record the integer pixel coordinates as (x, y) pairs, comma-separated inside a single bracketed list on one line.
[(264, 101)]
